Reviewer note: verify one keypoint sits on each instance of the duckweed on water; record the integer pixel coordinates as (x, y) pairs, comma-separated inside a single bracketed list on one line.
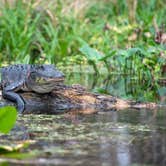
[(59, 128), (87, 137)]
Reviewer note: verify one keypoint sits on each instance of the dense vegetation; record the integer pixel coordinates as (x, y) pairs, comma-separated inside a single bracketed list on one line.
[(117, 34)]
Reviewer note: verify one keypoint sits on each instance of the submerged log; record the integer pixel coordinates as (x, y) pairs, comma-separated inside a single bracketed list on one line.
[(74, 98)]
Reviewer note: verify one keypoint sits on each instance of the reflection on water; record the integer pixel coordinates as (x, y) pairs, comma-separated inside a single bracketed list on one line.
[(117, 138), (120, 85)]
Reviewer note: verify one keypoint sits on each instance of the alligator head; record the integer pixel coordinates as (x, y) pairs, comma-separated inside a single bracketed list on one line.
[(44, 78)]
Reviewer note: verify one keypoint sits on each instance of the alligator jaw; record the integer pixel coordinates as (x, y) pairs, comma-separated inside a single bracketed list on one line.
[(61, 79)]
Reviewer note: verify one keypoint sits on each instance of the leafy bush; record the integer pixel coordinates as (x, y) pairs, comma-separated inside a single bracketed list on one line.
[(140, 62)]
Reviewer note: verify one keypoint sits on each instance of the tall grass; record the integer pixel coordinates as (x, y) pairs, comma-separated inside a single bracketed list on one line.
[(32, 33), (17, 33)]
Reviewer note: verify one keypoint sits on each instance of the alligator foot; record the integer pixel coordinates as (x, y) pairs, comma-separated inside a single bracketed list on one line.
[(12, 96)]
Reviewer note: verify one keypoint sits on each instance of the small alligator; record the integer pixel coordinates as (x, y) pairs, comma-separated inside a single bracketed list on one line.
[(36, 78)]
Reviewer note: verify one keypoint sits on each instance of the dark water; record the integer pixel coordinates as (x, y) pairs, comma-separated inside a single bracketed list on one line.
[(128, 137), (117, 138)]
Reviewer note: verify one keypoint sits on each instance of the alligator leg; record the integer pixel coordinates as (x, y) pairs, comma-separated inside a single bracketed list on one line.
[(16, 98)]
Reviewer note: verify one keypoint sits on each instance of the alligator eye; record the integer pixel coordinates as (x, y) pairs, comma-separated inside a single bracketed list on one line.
[(33, 75), (40, 80)]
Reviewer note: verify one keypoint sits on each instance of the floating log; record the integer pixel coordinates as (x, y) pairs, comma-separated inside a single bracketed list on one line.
[(74, 98)]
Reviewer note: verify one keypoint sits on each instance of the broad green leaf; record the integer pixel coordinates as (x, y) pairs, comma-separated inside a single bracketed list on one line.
[(133, 51), (122, 53), (129, 52), (109, 55), (91, 53), (8, 117)]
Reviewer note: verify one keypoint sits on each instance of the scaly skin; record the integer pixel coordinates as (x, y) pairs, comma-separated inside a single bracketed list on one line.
[(36, 78)]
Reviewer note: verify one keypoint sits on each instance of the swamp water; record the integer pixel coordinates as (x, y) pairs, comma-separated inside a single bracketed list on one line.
[(116, 138)]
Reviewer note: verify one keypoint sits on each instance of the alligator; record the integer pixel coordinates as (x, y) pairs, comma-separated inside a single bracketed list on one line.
[(40, 79), (39, 89)]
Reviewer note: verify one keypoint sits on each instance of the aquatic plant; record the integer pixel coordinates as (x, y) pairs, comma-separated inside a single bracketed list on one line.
[(8, 117)]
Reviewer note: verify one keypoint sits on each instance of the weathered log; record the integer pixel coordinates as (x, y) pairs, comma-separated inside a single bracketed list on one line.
[(74, 98)]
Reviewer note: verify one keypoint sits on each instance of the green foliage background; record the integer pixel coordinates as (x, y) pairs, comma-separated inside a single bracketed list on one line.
[(55, 31)]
